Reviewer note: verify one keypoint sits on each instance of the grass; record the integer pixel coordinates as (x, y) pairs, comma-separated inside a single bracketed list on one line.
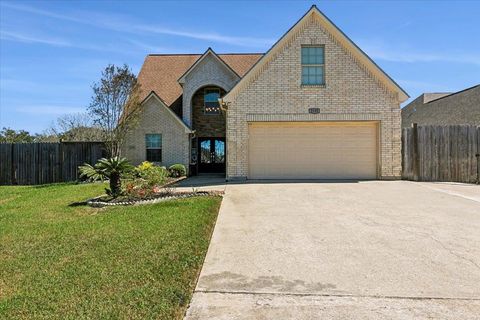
[(77, 262)]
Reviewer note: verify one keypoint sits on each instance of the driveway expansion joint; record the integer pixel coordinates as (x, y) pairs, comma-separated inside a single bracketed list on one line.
[(296, 294), (437, 188)]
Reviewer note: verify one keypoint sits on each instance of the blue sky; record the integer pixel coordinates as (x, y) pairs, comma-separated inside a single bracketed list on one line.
[(52, 51)]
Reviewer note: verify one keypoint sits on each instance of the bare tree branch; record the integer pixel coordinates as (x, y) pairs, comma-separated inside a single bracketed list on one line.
[(73, 127), (115, 106)]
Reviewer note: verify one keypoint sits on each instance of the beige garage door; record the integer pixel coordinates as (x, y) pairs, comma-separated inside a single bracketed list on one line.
[(312, 150)]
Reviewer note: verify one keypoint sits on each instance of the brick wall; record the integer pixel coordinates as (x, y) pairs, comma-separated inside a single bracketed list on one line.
[(208, 72), (456, 109), (156, 119), (207, 125), (350, 93)]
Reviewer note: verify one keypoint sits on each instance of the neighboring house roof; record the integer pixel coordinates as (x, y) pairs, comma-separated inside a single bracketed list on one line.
[(160, 72), (430, 96), (360, 56), (449, 94), (458, 108)]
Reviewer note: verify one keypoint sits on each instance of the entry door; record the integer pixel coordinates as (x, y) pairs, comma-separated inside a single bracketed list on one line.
[(212, 155)]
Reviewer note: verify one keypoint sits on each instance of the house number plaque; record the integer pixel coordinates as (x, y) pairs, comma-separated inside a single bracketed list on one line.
[(314, 110)]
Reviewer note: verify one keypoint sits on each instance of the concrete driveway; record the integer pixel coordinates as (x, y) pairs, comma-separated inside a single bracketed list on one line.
[(343, 250)]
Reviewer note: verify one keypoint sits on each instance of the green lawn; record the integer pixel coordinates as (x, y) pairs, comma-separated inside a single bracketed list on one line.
[(77, 262)]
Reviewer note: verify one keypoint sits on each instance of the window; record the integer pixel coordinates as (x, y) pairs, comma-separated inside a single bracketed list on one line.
[(153, 143), (313, 65), (211, 104)]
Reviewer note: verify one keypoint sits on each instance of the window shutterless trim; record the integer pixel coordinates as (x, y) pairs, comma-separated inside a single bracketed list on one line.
[(147, 148), (319, 65), (204, 102)]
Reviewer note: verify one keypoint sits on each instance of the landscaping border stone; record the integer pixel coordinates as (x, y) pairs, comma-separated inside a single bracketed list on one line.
[(94, 202)]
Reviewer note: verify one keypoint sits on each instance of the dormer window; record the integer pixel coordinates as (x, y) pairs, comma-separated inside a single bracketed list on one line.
[(211, 104), (313, 65)]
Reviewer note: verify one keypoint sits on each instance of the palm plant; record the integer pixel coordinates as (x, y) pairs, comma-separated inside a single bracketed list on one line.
[(111, 169)]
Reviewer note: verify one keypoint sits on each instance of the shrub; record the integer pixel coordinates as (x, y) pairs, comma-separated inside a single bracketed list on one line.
[(112, 169), (145, 180), (177, 170), (154, 175), (138, 188), (145, 165)]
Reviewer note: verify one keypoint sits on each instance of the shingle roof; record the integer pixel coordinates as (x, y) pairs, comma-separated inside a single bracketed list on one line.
[(160, 72)]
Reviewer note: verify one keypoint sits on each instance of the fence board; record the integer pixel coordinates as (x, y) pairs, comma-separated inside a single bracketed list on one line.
[(40, 163), (445, 153)]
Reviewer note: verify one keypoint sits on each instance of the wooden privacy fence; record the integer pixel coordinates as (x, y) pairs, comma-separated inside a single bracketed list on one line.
[(39, 163), (441, 153)]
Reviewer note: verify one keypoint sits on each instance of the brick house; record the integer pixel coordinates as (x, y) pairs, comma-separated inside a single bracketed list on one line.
[(314, 106), (446, 108)]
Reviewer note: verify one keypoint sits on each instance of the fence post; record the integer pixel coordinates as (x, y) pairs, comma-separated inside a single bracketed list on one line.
[(478, 167), (13, 170), (60, 161), (416, 153)]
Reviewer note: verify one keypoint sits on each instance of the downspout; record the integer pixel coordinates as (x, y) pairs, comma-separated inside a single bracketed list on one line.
[(191, 136), (224, 107)]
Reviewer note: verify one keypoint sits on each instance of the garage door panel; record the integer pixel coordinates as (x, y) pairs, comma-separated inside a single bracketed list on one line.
[(312, 150)]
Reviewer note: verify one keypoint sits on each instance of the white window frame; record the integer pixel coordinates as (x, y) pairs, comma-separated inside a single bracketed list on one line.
[(154, 148), (322, 65)]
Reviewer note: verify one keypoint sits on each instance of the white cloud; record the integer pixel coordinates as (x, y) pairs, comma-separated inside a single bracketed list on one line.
[(18, 37), (48, 109), (29, 38), (125, 24), (46, 13), (214, 37)]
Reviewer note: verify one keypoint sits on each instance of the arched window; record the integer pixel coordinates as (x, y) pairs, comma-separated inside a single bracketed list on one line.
[(211, 106)]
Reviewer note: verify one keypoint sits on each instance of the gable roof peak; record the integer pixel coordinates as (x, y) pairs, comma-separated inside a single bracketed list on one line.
[(361, 57), (209, 50)]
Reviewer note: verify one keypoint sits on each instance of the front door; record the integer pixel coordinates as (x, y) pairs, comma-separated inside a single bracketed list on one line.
[(212, 155)]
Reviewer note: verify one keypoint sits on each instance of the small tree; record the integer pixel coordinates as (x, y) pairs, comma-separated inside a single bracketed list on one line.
[(9, 135), (75, 127), (112, 169), (115, 106)]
